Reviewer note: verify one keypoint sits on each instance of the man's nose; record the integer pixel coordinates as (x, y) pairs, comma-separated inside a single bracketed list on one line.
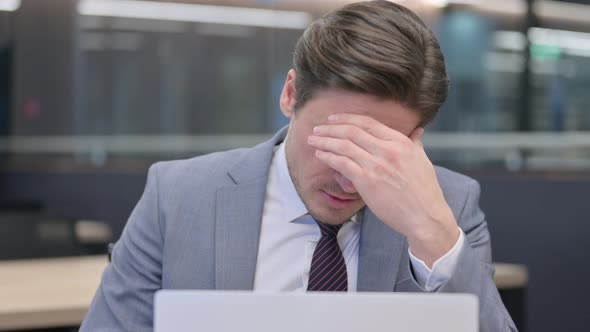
[(345, 184)]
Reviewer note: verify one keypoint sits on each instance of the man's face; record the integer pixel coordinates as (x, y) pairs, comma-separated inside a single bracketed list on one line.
[(329, 196)]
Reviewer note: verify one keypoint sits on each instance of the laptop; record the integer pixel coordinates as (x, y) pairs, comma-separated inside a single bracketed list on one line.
[(225, 311)]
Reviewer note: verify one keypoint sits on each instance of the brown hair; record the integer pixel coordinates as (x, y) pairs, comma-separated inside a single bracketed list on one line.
[(375, 47)]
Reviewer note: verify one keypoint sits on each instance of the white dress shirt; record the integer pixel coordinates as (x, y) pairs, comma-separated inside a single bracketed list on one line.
[(288, 240)]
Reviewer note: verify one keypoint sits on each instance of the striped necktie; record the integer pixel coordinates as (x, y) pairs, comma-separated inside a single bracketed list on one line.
[(328, 269)]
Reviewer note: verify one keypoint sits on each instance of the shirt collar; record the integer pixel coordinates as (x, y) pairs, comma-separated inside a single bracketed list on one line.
[(293, 206)]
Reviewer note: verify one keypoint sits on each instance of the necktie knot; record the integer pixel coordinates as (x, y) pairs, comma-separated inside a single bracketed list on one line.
[(329, 230)]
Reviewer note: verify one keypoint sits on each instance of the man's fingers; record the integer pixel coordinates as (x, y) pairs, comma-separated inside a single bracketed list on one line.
[(368, 124), (355, 134), (341, 164), (342, 147), (416, 135)]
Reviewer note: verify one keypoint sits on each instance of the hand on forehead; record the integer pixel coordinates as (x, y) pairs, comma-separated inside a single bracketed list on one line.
[(350, 123)]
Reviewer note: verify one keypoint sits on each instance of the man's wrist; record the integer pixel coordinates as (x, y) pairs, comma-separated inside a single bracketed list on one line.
[(431, 243), (442, 270)]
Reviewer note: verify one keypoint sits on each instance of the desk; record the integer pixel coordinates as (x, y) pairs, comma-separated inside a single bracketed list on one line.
[(512, 281), (53, 292), (510, 276), (57, 292)]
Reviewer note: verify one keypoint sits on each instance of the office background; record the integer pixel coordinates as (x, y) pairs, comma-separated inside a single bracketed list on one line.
[(94, 91)]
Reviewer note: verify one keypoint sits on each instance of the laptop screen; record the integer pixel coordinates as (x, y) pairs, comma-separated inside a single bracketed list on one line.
[(223, 311)]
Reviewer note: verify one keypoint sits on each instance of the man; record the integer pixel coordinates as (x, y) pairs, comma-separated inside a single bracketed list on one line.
[(344, 199)]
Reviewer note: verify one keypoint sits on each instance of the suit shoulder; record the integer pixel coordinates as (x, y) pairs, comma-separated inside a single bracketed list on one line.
[(201, 168), (453, 180), (457, 188), (220, 161)]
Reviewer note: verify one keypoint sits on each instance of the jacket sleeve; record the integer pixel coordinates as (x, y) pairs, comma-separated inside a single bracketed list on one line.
[(474, 271), (124, 299)]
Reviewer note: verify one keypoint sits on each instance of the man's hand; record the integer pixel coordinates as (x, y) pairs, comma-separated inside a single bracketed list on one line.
[(395, 178)]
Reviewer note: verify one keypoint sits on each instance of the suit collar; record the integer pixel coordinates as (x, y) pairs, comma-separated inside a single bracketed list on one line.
[(254, 163)]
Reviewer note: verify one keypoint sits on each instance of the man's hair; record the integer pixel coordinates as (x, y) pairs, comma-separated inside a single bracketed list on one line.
[(374, 47)]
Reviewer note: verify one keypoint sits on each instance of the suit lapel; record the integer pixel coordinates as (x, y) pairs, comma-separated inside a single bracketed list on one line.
[(379, 255), (237, 231), (239, 207)]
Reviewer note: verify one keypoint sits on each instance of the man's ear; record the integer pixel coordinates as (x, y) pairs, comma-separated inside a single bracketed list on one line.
[(287, 100)]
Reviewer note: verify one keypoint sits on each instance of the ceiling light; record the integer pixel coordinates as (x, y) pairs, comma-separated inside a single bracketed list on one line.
[(9, 5), (183, 12)]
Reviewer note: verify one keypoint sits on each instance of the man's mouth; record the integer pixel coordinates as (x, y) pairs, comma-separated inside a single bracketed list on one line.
[(339, 201), (343, 197)]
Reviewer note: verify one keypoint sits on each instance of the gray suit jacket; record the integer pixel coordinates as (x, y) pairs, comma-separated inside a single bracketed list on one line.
[(197, 227)]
